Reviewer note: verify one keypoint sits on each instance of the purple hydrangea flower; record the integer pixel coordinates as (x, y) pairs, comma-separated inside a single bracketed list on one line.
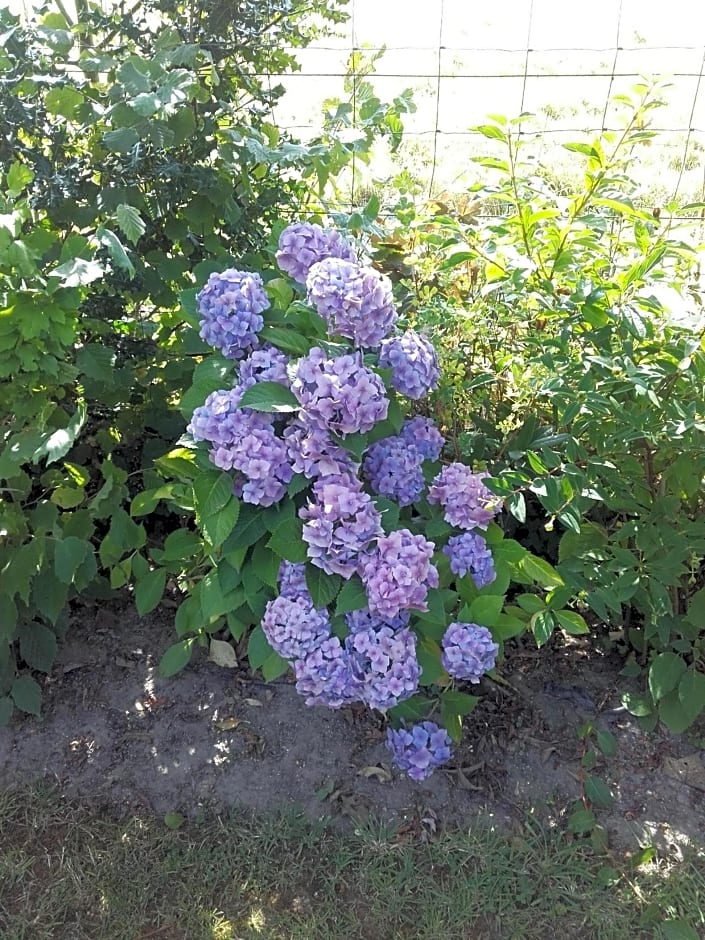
[(293, 627), (398, 574), (384, 660), (313, 452), (419, 750), (266, 364), (413, 361), (325, 677), (291, 579), (364, 620), (466, 500), (425, 436), (230, 306), (469, 552), (355, 301), (303, 244), (262, 459), (339, 524), (468, 651), (341, 394), (393, 467)]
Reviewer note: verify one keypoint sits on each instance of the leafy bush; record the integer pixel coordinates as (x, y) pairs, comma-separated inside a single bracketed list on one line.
[(568, 373)]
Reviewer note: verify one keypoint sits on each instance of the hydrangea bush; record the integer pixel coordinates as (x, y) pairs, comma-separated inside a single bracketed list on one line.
[(345, 547)]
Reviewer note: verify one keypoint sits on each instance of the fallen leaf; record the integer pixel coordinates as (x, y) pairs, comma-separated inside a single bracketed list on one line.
[(255, 702), (228, 724), (223, 654), (380, 773)]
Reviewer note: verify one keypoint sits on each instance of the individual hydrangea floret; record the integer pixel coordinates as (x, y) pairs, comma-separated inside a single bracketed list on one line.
[(340, 522), (398, 573), (230, 307), (413, 361), (469, 553), (363, 619), (355, 301), (325, 677), (339, 394), (468, 651), (393, 467), (293, 627), (467, 502), (424, 435), (420, 749), (313, 452), (302, 244), (267, 364), (291, 579), (384, 660)]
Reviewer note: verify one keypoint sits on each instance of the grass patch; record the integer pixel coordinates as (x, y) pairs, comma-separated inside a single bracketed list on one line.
[(68, 872)]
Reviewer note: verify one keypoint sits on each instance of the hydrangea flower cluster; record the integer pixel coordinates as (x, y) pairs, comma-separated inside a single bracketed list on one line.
[(266, 364), (363, 619), (468, 651), (420, 750), (469, 552), (291, 579), (303, 244), (325, 677), (384, 661), (230, 307), (414, 363), (398, 574), (339, 524), (467, 502), (341, 393), (355, 301), (393, 467), (313, 452), (293, 627), (425, 436)]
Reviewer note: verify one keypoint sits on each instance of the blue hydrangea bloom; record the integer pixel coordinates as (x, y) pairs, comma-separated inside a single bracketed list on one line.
[(302, 244), (293, 627), (469, 553), (340, 394), (384, 660), (413, 361), (314, 453), (324, 676), (398, 573), (393, 467), (266, 364), (420, 749), (363, 619), (354, 300), (291, 579), (468, 651), (467, 502), (230, 307), (424, 435)]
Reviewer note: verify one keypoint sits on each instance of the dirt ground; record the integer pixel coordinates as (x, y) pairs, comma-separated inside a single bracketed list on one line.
[(116, 734)]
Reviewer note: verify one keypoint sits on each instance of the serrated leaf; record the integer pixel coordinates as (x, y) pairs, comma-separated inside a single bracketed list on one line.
[(606, 742), (597, 791), (269, 397), (116, 250), (540, 571), (149, 590), (68, 554), (485, 610), (212, 491), (287, 542), (353, 596), (273, 667), (459, 703), (286, 339), (220, 525), (6, 709), (78, 272), (322, 587), (571, 622), (581, 820), (26, 695), (542, 624), (258, 649), (176, 658), (131, 222), (38, 646), (95, 361), (664, 674)]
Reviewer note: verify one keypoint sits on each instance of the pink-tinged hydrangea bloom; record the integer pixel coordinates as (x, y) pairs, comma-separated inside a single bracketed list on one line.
[(291, 579), (468, 651), (303, 244), (293, 627), (466, 501), (355, 301), (424, 435), (419, 750), (469, 553), (266, 364), (384, 660), (340, 522), (313, 452), (230, 307), (324, 676), (364, 620), (413, 361), (341, 394), (393, 467), (398, 573)]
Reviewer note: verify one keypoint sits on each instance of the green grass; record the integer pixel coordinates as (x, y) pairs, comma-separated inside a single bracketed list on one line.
[(68, 872)]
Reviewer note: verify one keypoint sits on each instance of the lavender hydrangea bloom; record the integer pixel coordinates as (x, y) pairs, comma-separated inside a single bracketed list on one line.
[(393, 467), (293, 627), (313, 453), (468, 651), (291, 579), (469, 552), (230, 306), (262, 459), (398, 574), (325, 677), (340, 394), (364, 620), (339, 524), (413, 361), (425, 436), (303, 244), (355, 301), (384, 660), (419, 750), (267, 364), (466, 500)]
